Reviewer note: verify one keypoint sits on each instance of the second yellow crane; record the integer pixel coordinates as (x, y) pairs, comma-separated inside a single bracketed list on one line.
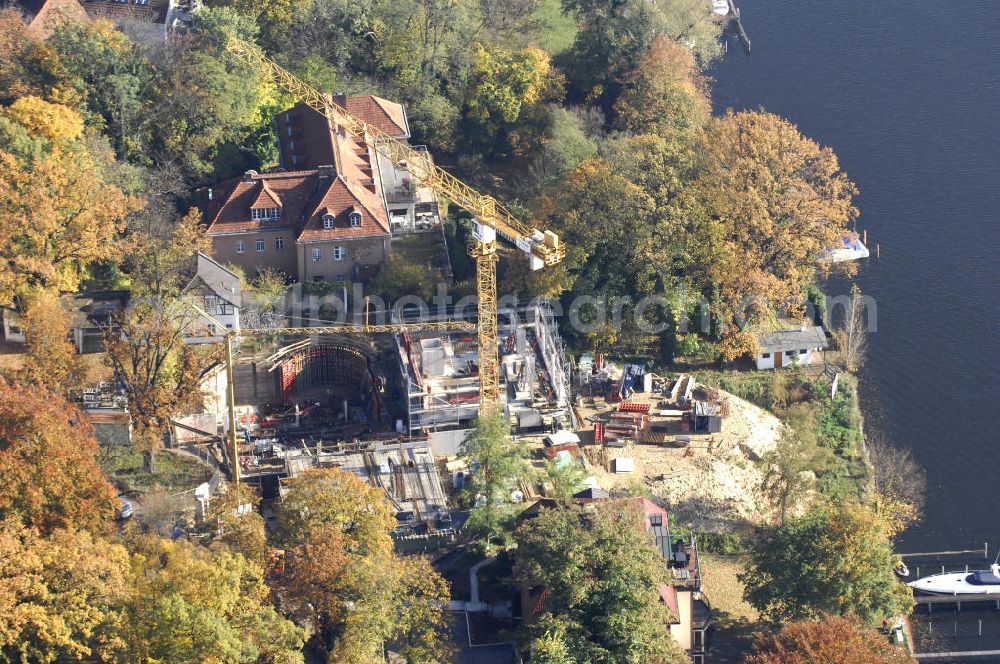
[(491, 218)]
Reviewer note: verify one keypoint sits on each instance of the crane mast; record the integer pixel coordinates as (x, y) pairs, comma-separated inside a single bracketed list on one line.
[(491, 217)]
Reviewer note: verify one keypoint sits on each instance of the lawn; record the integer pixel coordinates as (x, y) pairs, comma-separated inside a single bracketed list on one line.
[(174, 472), (733, 620), (455, 568)]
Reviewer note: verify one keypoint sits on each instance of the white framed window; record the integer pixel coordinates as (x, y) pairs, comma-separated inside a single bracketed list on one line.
[(262, 214), (317, 277), (279, 243), (316, 254), (339, 253), (260, 244), (240, 247), (328, 221), (355, 219)]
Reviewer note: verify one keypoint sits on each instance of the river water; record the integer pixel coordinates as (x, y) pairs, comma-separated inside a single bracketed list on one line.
[(908, 96)]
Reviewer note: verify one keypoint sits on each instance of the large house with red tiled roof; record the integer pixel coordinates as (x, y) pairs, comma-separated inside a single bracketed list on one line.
[(329, 212)]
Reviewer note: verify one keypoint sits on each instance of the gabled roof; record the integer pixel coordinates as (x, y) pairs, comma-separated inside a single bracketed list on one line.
[(306, 137), (154, 12), (305, 196), (46, 14), (796, 339), (592, 493), (220, 281), (668, 595), (266, 197), (382, 113), (339, 199)]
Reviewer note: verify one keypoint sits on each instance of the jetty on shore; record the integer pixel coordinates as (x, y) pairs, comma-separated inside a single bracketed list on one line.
[(734, 19)]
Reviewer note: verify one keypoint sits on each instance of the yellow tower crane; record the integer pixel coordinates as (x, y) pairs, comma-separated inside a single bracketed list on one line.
[(229, 336), (490, 217)]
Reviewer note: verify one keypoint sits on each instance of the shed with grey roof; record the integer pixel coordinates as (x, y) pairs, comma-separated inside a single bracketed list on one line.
[(783, 348)]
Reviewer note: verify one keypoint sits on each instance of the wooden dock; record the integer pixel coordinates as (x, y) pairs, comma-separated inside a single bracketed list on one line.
[(736, 20)]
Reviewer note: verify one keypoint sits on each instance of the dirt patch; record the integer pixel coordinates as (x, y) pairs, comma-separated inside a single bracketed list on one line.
[(713, 484)]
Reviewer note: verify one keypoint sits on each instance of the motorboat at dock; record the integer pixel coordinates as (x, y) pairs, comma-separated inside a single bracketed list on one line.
[(979, 583)]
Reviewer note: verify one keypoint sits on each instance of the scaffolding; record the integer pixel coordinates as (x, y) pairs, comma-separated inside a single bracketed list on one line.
[(441, 371)]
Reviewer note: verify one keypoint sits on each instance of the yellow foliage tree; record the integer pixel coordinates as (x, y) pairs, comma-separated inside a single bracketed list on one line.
[(60, 596), (195, 604), (58, 212), (51, 359), (345, 578)]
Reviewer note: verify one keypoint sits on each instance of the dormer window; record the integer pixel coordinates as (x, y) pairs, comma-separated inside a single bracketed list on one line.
[(328, 221), (265, 214), (355, 218)]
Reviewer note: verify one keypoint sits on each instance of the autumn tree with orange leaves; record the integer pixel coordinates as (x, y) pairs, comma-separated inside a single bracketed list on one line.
[(344, 577), (827, 640), (775, 200), (48, 462)]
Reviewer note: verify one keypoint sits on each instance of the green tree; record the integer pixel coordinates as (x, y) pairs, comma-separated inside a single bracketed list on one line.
[(566, 478), (567, 145), (398, 277), (48, 459), (613, 35), (205, 98), (551, 648), (835, 559), (504, 87), (112, 76), (498, 466), (790, 472), (599, 570), (827, 640)]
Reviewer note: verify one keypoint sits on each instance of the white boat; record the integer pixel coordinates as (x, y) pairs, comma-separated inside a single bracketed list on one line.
[(852, 250), (901, 570), (720, 7), (980, 582)]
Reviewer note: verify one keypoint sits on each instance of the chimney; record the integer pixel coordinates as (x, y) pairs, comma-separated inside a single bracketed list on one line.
[(250, 175), (340, 99)]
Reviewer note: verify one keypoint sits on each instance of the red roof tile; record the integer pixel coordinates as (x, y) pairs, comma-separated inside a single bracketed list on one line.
[(266, 198), (668, 595), (382, 113), (305, 196)]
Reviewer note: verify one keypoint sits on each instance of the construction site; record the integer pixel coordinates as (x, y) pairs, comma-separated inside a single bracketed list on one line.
[(440, 378), (387, 402)]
